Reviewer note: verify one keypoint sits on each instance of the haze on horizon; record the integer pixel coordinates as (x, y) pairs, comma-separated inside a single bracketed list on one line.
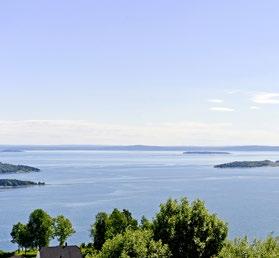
[(146, 72)]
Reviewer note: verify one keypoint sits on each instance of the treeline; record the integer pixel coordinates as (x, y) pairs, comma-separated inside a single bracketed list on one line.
[(40, 230), (179, 230)]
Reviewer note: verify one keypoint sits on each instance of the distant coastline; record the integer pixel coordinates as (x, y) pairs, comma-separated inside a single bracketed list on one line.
[(138, 148), (12, 150)]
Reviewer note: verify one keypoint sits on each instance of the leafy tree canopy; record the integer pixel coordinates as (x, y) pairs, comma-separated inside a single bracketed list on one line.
[(136, 244), (40, 226), (189, 229), (21, 236), (108, 226), (63, 229)]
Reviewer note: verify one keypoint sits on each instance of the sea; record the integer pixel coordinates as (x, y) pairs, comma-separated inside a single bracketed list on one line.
[(79, 184)]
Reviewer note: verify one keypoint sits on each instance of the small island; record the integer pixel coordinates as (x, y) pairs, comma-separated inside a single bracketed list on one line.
[(17, 183), (206, 153), (9, 168), (11, 150), (249, 164)]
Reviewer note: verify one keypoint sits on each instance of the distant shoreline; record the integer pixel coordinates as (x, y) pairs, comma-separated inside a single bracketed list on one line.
[(12, 150), (245, 148)]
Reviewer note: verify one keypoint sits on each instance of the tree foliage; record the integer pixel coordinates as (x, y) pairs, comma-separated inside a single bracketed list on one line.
[(99, 229), (20, 236), (63, 229), (189, 230), (136, 244), (40, 229), (146, 224), (108, 226), (40, 226), (179, 229), (242, 248)]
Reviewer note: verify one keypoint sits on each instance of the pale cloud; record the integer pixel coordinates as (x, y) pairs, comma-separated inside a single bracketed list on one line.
[(222, 109), (215, 100), (266, 98), (232, 92), (87, 132), (255, 108)]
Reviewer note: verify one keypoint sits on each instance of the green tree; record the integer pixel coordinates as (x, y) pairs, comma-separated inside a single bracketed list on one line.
[(63, 229), (40, 227), (145, 223), (21, 236), (99, 229), (136, 244), (108, 226), (189, 230), (119, 222)]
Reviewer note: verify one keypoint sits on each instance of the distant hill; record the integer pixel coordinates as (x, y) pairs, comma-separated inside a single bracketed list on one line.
[(139, 148)]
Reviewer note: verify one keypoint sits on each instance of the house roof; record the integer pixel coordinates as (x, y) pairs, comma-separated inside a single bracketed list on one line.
[(60, 252)]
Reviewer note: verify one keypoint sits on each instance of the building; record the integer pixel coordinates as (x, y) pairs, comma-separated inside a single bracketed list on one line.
[(59, 252)]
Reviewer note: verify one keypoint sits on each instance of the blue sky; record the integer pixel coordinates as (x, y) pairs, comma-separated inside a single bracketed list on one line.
[(139, 72)]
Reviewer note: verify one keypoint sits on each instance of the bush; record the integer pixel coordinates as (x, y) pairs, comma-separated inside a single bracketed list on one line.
[(242, 248)]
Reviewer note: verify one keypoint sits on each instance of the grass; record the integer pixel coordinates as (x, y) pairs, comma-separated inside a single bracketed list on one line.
[(28, 254)]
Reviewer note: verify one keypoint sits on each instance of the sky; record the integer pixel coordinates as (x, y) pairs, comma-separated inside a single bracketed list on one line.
[(152, 72)]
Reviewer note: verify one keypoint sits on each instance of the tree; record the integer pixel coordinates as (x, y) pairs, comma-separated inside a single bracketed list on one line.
[(108, 226), (119, 222), (40, 227), (16, 234), (136, 244), (189, 230), (21, 236), (98, 230), (145, 223), (63, 229)]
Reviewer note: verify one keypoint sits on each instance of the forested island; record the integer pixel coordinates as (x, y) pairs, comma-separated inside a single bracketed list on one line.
[(249, 164), (17, 183), (206, 153), (9, 168)]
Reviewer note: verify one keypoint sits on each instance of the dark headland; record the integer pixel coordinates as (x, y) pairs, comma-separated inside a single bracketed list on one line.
[(249, 164), (17, 183), (6, 168)]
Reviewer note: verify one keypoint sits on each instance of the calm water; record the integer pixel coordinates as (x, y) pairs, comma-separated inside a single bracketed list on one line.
[(82, 183)]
